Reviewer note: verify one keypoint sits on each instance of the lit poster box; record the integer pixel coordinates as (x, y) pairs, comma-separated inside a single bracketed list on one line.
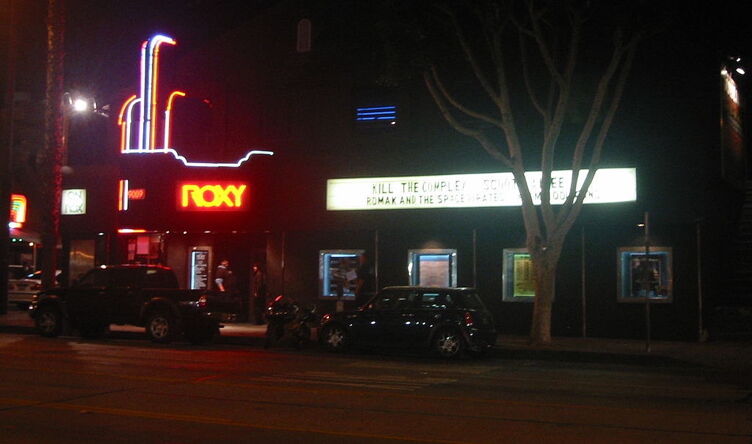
[(73, 202), (472, 190)]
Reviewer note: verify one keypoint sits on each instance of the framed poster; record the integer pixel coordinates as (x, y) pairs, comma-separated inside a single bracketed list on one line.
[(518, 276), (641, 276), (433, 267), (199, 269), (338, 273)]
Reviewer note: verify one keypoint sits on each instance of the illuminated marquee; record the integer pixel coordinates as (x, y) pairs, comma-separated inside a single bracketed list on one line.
[(145, 123), (17, 210), (472, 190), (211, 196)]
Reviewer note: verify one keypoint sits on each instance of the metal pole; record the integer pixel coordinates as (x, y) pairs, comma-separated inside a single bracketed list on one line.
[(646, 281), (700, 326), (282, 260), (584, 283), (475, 257), (376, 261)]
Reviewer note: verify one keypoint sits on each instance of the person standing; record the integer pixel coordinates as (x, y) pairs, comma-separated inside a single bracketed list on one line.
[(364, 281), (258, 293), (223, 277)]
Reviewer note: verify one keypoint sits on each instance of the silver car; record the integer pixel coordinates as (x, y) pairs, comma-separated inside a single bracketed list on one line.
[(22, 285)]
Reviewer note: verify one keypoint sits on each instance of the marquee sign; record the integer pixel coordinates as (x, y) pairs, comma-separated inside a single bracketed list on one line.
[(472, 190), (212, 196), (139, 118)]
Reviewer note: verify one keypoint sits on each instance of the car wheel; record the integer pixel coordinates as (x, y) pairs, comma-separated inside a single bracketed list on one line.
[(448, 343), (302, 337), (334, 338), (161, 326), (92, 330), (49, 322), (274, 332)]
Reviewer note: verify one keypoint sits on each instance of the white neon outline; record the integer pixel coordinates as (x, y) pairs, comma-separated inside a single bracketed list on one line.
[(187, 163), (149, 91), (147, 120), (141, 96)]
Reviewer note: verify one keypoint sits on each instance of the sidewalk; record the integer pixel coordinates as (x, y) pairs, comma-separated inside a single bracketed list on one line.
[(731, 360)]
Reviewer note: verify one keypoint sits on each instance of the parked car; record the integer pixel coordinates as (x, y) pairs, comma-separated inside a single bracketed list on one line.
[(22, 285), (448, 321), (142, 295), (16, 291)]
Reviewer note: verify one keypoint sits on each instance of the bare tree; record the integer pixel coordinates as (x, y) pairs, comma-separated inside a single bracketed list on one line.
[(547, 35)]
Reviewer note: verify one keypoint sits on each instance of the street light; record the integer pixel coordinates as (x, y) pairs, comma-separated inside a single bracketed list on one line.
[(80, 105)]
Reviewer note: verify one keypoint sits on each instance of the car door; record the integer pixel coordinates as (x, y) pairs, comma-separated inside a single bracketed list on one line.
[(367, 326), (396, 319), (124, 289), (420, 315), (89, 300)]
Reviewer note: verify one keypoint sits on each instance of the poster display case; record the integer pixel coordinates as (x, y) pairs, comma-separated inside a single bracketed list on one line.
[(641, 276), (338, 273), (433, 267)]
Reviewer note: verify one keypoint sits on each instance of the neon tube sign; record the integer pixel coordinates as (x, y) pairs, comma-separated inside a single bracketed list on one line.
[(17, 210), (146, 103), (211, 196)]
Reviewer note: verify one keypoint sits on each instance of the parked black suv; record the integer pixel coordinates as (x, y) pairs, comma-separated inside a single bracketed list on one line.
[(144, 295), (446, 320)]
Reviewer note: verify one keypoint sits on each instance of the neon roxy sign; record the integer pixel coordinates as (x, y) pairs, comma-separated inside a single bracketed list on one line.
[(212, 196), (138, 134)]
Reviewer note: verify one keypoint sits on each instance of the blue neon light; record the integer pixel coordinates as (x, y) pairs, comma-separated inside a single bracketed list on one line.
[(376, 113)]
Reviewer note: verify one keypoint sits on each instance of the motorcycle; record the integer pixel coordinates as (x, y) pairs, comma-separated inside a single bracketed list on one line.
[(286, 320)]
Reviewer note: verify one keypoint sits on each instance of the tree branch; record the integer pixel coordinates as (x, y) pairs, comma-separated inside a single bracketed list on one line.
[(479, 135), (460, 107)]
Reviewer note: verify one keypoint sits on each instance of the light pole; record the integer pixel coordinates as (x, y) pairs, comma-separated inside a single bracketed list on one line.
[(646, 282)]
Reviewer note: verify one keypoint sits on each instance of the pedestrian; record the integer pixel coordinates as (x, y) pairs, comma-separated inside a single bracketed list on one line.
[(364, 281), (258, 293), (223, 277)]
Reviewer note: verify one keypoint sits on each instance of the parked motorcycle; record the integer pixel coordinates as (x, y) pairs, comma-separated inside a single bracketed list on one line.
[(286, 320)]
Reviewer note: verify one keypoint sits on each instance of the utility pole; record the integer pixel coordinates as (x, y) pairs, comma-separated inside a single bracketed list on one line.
[(54, 147), (6, 150)]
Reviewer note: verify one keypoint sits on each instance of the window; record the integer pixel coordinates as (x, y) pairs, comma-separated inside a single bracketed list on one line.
[(641, 276), (518, 277), (432, 301), (96, 278), (432, 268), (304, 36), (338, 271), (390, 300)]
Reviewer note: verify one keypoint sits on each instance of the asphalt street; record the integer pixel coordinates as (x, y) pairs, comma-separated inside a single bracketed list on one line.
[(125, 389)]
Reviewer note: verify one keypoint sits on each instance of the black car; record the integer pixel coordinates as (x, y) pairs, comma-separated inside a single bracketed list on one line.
[(445, 320)]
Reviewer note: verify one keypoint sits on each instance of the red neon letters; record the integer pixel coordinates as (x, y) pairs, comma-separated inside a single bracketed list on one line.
[(211, 196)]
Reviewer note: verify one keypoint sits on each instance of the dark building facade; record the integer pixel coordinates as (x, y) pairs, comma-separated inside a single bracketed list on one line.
[(299, 84)]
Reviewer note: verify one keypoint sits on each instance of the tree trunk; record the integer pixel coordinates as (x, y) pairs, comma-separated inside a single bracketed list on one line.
[(52, 156), (545, 262)]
